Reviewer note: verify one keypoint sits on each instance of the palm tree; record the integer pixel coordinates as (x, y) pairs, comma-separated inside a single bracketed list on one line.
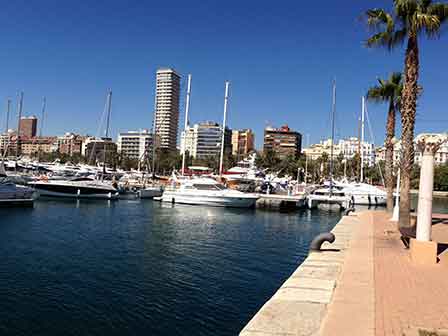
[(389, 91), (409, 20)]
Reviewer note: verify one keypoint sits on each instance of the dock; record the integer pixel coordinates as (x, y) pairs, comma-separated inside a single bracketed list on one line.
[(365, 283), (281, 202)]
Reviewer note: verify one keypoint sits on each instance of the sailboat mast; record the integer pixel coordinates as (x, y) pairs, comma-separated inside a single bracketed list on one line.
[(226, 98), (362, 138), (20, 108), (8, 110), (44, 106), (333, 112), (109, 104), (154, 142), (187, 108)]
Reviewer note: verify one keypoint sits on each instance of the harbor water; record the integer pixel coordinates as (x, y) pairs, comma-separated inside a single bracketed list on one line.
[(135, 267)]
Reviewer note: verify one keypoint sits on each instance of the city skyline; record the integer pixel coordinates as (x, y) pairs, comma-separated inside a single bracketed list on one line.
[(277, 75)]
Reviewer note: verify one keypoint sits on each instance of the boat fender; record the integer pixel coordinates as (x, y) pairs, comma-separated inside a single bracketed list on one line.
[(376, 200), (317, 242), (370, 200), (173, 200)]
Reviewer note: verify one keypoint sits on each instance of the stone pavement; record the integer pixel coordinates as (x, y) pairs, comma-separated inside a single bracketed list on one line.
[(368, 287), (381, 292)]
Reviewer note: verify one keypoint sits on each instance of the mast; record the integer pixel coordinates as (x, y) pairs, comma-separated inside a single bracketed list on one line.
[(362, 138), (226, 98), (333, 112), (44, 106), (20, 108), (187, 108), (154, 142), (8, 110), (306, 158), (109, 103)]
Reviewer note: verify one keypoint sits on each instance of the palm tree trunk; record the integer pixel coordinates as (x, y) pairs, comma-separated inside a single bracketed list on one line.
[(390, 133), (408, 111)]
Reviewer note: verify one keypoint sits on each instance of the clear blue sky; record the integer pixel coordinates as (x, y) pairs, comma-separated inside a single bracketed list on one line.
[(280, 57)]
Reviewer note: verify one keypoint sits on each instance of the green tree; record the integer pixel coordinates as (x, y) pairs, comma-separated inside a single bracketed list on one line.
[(409, 20), (389, 91)]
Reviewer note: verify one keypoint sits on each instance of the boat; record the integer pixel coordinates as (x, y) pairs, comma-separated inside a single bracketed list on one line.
[(81, 187), (329, 197), (12, 194), (150, 192), (364, 194), (205, 191)]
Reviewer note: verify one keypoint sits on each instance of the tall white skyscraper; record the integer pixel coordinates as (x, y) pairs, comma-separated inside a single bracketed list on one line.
[(167, 108)]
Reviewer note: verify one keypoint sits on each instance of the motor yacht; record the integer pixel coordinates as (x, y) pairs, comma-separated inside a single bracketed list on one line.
[(205, 191), (75, 188), (329, 197), (12, 194)]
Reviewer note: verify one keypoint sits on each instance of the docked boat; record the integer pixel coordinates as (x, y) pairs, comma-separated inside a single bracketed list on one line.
[(150, 192), (329, 197), (365, 194), (12, 194), (206, 191), (75, 188)]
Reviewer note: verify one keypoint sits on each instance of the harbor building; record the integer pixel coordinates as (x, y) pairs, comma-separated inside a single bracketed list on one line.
[(134, 144), (347, 147), (441, 156), (36, 145), (28, 126), (284, 141), (166, 121), (242, 143), (69, 143), (93, 149), (204, 140)]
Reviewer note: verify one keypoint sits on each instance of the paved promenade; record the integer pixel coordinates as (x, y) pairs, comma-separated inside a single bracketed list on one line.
[(369, 287)]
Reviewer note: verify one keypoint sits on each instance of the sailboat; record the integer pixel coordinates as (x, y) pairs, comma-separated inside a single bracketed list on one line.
[(330, 196), (81, 187)]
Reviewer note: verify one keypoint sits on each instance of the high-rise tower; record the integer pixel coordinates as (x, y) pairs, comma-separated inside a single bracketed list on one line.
[(167, 108)]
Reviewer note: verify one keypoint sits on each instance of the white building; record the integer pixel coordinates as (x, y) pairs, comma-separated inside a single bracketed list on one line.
[(167, 108), (347, 147), (441, 156), (134, 144), (204, 140)]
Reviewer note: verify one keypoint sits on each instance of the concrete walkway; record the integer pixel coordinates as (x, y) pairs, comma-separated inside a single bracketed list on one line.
[(381, 292)]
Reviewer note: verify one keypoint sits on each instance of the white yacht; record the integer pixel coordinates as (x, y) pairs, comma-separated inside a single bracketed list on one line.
[(329, 197), (75, 188), (12, 194), (365, 194), (206, 191)]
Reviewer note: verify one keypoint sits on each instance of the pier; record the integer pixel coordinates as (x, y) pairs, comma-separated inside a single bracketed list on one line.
[(365, 283), (281, 202)]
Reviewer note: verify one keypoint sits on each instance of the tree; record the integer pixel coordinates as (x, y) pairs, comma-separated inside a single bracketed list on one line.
[(409, 20), (389, 91)]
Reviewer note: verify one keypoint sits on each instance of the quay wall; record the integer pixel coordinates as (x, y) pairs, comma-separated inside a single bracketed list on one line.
[(300, 304)]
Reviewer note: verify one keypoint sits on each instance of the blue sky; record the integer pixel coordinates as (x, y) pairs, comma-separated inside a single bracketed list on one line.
[(279, 56)]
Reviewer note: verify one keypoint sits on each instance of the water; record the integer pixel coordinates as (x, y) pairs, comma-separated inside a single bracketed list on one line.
[(140, 268)]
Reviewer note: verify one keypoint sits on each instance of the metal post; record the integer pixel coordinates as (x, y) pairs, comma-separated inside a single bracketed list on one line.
[(187, 108), (396, 212), (226, 97)]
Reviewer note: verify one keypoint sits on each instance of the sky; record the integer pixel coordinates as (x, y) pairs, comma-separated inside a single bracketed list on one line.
[(279, 56)]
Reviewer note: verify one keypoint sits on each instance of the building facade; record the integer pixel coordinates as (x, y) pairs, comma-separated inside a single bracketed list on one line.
[(243, 143), (93, 149), (166, 121), (134, 144), (69, 143), (283, 141), (34, 146), (28, 126), (204, 140)]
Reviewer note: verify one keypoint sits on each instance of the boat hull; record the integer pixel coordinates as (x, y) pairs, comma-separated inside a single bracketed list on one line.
[(73, 191), (216, 201), (150, 193)]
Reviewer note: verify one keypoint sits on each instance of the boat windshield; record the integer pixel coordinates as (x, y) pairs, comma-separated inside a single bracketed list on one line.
[(208, 186)]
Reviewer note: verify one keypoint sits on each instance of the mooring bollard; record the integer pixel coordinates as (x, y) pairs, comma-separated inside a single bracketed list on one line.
[(317, 242)]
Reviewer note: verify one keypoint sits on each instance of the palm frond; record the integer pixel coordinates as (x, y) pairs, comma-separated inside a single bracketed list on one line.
[(376, 18), (405, 8), (429, 23), (440, 10)]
